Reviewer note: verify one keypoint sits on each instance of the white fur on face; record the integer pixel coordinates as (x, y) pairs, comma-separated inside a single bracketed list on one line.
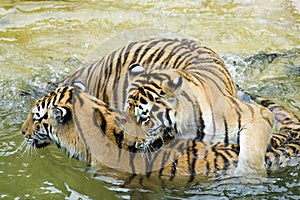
[(142, 113)]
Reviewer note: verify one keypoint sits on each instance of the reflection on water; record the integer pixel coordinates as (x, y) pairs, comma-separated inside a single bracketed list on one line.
[(43, 41)]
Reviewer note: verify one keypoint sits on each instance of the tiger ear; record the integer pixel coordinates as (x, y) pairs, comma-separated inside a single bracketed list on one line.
[(176, 85), (60, 115), (135, 69)]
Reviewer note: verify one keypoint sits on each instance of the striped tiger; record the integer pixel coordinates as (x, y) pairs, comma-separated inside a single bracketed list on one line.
[(182, 87), (89, 130)]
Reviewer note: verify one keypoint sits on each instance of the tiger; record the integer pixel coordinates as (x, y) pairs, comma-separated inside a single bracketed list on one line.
[(181, 87), (88, 129)]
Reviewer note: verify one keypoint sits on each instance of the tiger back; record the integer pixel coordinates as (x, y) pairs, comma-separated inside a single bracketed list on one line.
[(108, 79), (180, 86)]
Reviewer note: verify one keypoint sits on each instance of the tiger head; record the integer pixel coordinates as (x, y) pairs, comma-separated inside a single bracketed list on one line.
[(73, 120), (152, 100), (50, 121)]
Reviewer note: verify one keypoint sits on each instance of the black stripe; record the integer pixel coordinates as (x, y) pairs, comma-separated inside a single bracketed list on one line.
[(74, 76), (97, 82), (70, 98), (127, 52), (174, 169), (216, 72), (159, 76), (155, 85), (221, 89), (193, 164), (46, 127), (151, 56), (54, 98), (226, 140), (186, 63), (91, 73), (200, 122), (172, 54), (118, 68), (62, 94), (99, 120), (149, 164), (136, 53), (125, 84), (197, 116), (143, 100), (208, 168), (80, 133), (294, 146), (50, 129), (217, 155), (77, 97), (285, 153), (277, 158), (142, 91), (189, 153), (151, 90), (151, 98), (162, 52), (131, 162), (238, 111), (177, 61), (43, 104), (225, 160), (107, 74), (137, 83), (164, 160), (266, 103), (150, 46), (168, 116), (119, 137), (179, 147)]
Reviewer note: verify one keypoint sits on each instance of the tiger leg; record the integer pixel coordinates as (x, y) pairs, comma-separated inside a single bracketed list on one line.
[(254, 139)]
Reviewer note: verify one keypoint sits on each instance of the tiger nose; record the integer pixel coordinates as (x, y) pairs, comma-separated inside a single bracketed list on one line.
[(25, 133)]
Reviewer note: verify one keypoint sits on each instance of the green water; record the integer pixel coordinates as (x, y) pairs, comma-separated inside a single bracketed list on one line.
[(41, 41)]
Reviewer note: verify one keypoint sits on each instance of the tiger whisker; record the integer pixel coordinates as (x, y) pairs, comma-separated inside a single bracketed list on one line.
[(25, 151), (21, 146), (30, 149)]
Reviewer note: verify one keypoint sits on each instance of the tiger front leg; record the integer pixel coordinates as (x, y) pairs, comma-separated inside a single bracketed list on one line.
[(254, 139)]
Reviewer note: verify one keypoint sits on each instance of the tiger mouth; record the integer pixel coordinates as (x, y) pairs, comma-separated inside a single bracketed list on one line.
[(156, 141), (36, 143), (142, 120)]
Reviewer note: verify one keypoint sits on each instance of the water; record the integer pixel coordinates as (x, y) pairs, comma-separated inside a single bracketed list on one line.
[(42, 41)]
